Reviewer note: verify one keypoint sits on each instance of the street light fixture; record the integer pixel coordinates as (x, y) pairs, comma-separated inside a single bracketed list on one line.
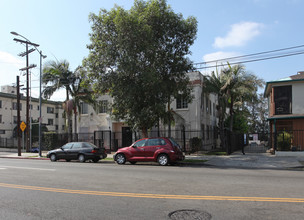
[(40, 76)]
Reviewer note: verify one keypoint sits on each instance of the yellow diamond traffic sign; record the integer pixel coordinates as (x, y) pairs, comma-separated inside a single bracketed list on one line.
[(22, 126)]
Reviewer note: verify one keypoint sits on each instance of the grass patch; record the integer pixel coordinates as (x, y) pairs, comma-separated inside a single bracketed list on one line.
[(108, 159), (36, 156)]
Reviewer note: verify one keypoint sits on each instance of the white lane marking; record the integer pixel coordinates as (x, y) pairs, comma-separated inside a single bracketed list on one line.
[(2, 168), (27, 168)]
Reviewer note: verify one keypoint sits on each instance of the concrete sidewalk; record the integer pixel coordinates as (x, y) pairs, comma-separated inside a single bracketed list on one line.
[(235, 160), (252, 160)]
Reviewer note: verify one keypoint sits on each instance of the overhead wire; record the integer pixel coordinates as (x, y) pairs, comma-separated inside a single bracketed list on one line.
[(254, 57)]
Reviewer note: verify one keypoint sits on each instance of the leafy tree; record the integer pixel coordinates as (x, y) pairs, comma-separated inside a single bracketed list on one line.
[(240, 121), (138, 56), (258, 108)]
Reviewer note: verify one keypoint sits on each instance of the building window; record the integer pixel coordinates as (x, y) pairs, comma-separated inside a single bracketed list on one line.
[(56, 127), (56, 115), (31, 106), (50, 110), (2, 131), (0, 118), (283, 100), (210, 108), (103, 106), (84, 108), (15, 119), (208, 132), (0, 103), (15, 106), (38, 107), (181, 103), (207, 105), (50, 121), (62, 127)]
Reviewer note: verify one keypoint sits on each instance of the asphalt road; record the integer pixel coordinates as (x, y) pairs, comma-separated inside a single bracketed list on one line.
[(37, 189)]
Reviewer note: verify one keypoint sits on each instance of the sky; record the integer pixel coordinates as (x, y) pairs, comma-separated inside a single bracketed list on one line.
[(226, 29)]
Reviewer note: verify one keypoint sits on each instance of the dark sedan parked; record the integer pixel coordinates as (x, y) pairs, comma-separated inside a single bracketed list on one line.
[(81, 151)]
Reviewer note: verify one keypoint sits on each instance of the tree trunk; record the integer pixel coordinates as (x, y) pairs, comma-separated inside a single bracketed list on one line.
[(70, 131), (169, 119), (144, 132), (231, 114), (75, 121)]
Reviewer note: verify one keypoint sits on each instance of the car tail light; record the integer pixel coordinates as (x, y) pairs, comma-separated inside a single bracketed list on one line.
[(94, 151)]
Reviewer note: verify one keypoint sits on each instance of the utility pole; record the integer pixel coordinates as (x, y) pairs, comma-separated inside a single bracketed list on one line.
[(18, 117), (40, 101), (27, 102), (26, 53)]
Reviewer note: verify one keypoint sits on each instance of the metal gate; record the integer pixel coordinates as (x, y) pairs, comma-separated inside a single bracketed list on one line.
[(103, 139), (257, 143)]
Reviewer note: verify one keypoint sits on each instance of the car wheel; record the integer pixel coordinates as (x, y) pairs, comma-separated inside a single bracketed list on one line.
[(133, 162), (163, 160), (67, 160), (120, 159), (95, 160), (81, 158), (53, 157)]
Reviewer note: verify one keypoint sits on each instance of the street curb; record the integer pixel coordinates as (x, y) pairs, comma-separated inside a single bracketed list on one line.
[(28, 158), (107, 161)]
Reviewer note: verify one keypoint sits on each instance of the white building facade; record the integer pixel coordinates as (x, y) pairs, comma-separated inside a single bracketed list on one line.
[(197, 119), (52, 112)]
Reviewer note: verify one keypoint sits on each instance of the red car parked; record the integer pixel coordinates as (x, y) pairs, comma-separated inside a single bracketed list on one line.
[(161, 150)]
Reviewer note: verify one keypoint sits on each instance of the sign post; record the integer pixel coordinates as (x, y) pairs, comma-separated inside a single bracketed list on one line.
[(22, 127)]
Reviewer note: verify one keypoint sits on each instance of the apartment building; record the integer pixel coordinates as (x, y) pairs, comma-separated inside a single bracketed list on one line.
[(286, 108), (198, 119), (52, 112)]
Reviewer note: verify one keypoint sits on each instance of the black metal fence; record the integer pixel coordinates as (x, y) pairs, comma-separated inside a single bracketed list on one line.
[(189, 140)]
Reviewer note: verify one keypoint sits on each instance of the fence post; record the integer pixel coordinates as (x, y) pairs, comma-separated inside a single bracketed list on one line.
[(184, 138), (275, 141), (110, 141)]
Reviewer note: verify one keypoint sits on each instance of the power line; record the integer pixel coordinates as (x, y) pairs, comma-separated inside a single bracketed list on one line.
[(248, 61), (253, 54)]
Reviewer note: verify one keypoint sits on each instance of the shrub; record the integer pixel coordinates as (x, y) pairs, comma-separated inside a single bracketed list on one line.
[(50, 140), (284, 141), (195, 144)]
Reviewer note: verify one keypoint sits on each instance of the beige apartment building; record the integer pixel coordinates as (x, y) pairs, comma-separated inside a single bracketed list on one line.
[(198, 119), (52, 112)]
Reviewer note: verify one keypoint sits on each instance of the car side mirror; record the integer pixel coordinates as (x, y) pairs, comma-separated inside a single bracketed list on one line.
[(134, 146)]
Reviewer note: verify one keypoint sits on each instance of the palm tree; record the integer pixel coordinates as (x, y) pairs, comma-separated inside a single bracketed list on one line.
[(80, 93), (240, 86), (57, 75), (233, 86), (215, 83)]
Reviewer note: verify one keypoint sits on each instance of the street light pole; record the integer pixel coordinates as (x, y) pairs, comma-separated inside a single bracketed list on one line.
[(40, 99), (40, 81)]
